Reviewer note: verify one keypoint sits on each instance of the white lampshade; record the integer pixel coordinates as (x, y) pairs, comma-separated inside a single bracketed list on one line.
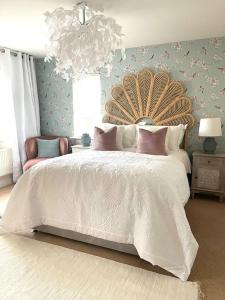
[(210, 127)]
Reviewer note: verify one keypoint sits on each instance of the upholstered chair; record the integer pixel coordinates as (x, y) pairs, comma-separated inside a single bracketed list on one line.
[(32, 149)]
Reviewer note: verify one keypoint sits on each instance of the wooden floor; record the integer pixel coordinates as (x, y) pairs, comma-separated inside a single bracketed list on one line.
[(4, 195), (207, 220)]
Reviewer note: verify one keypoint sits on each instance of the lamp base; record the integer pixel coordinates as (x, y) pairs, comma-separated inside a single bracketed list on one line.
[(209, 145)]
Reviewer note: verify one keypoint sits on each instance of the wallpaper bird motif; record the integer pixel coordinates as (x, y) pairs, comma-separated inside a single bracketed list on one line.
[(56, 101), (199, 64)]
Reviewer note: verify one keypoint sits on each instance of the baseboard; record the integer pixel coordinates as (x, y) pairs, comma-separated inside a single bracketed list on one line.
[(6, 180)]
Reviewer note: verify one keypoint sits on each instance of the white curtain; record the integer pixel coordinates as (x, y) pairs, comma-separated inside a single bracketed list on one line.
[(19, 107)]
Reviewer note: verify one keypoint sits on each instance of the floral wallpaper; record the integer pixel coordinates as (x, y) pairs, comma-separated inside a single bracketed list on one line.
[(56, 100), (199, 64)]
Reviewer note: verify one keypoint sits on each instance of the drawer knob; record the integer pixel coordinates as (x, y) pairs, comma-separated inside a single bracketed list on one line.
[(209, 161), (196, 177)]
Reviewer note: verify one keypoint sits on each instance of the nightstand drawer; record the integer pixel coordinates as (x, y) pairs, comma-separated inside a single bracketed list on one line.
[(215, 162)]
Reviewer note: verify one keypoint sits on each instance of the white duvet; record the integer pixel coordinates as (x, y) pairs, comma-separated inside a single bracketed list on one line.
[(119, 196)]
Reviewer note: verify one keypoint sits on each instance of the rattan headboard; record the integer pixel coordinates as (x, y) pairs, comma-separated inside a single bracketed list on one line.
[(148, 95)]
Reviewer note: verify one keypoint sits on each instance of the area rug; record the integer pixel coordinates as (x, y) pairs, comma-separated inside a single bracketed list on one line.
[(30, 269)]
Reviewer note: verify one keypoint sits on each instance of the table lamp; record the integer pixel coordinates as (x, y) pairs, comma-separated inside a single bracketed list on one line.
[(210, 128)]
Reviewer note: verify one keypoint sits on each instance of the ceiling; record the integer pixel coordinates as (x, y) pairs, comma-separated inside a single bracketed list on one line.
[(144, 22)]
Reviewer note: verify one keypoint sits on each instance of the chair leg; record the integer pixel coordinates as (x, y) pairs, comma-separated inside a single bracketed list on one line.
[(221, 199)]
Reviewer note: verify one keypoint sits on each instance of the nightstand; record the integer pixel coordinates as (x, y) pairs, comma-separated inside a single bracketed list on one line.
[(208, 174), (78, 148)]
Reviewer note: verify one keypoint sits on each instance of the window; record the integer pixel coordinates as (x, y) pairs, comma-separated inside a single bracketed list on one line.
[(86, 104)]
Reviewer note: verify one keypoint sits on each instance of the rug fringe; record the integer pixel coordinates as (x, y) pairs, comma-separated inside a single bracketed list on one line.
[(201, 295)]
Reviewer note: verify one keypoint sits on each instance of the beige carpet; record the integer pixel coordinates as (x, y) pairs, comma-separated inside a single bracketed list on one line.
[(207, 220), (31, 269)]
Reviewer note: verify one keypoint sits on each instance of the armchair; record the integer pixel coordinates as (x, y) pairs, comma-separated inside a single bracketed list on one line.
[(32, 149)]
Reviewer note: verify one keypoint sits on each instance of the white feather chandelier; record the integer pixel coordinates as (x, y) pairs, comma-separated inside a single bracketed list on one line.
[(82, 40)]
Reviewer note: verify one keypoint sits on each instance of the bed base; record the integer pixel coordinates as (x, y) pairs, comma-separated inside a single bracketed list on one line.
[(126, 248)]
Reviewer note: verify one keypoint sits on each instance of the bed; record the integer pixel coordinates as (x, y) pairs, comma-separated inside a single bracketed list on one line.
[(118, 199)]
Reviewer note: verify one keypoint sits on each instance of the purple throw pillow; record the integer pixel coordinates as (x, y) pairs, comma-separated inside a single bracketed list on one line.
[(105, 140), (152, 142)]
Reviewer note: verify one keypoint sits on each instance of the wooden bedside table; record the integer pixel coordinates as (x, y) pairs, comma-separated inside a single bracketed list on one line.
[(78, 148), (208, 174)]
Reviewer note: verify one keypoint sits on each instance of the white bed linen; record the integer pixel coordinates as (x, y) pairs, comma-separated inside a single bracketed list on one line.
[(183, 157), (118, 196), (180, 155)]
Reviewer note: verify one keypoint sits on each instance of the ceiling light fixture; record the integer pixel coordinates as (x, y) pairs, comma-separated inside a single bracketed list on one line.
[(82, 40)]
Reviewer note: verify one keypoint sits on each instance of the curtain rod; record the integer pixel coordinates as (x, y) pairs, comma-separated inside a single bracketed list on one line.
[(13, 52)]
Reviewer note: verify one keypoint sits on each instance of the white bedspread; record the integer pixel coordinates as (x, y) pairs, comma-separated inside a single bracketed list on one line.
[(119, 196)]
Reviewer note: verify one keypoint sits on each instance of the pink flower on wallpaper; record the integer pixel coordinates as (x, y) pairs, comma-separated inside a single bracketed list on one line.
[(204, 66), (219, 108), (212, 80), (162, 66), (177, 46), (189, 77), (142, 50), (193, 76), (204, 50), (216, 42), (222, 69), (193, 62), (222, 92), (200, 63), (129, 69)]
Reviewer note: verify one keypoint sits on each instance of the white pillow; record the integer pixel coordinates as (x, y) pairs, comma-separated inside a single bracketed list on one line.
[(176, 135), (119, 133), (129, 135)]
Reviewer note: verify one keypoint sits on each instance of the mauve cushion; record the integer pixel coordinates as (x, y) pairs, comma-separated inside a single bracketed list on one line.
[(31, 162), (105, 140), (152, 142)]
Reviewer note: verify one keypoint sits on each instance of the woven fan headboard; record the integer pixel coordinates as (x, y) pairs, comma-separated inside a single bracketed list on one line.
[(148, 95)]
